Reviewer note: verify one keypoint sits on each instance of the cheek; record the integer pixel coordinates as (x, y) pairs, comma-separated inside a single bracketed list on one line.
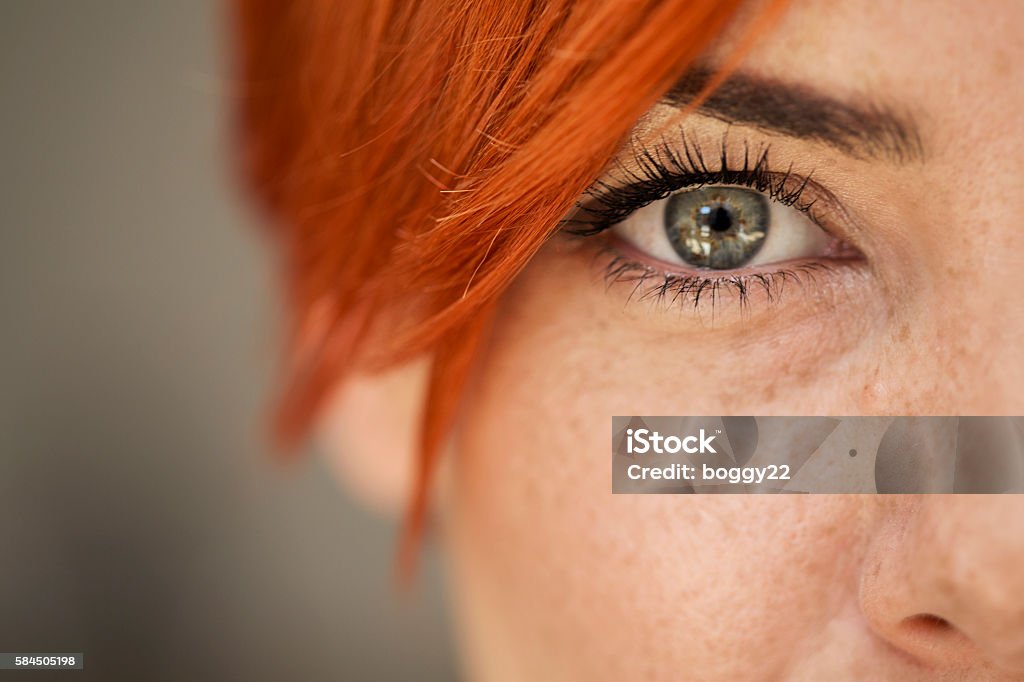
[(569, 579)]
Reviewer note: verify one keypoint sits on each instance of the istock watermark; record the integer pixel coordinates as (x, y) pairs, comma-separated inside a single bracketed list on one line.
[(643, 441), (659, 454)]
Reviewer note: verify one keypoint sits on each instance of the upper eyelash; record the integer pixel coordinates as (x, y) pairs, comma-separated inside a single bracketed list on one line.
[(663, 170)]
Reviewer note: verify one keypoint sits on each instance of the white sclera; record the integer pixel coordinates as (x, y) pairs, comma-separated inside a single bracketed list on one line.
[(792, 235)]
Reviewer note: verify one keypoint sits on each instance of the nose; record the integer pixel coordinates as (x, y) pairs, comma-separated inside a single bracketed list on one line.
[(943, 581)]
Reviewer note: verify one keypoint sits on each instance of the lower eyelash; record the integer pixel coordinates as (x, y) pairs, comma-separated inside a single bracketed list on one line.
[(649, 283)]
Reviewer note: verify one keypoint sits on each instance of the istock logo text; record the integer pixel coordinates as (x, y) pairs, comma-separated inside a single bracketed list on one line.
[(642, 441)]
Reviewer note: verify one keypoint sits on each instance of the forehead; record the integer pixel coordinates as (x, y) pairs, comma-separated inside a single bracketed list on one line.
[(917, 53)]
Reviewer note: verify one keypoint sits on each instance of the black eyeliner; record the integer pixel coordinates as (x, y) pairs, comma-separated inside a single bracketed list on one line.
[(662, 170)]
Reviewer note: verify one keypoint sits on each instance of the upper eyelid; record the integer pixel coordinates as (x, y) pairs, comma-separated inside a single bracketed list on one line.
[(661, 169), (785, 188)]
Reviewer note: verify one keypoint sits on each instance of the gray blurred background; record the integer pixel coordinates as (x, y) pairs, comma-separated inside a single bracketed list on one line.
[(142, 519)]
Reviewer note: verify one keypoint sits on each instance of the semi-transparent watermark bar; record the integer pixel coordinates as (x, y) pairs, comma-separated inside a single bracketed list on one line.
[(817, 454)]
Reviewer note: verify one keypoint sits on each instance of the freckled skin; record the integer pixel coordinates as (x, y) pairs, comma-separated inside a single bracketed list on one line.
[(554, 578)]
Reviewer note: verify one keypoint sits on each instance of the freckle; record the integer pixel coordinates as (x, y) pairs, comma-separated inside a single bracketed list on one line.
[(803, 374), (904, 332), (1001, 63), (873, 392)]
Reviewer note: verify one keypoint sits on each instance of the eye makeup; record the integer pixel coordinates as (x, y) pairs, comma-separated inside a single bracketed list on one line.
[(658, 171), (715, 220)]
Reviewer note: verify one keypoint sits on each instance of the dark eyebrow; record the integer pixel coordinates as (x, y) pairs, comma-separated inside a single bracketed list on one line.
[(860, 130)]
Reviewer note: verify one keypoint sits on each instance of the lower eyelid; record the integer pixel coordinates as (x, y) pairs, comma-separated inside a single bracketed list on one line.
[(722, 298), (819, 309)]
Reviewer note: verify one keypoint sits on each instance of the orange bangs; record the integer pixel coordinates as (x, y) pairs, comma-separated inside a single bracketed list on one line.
[(415, 155)]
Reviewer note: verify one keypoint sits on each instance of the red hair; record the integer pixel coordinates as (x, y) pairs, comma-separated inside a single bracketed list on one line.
[(415, 155)]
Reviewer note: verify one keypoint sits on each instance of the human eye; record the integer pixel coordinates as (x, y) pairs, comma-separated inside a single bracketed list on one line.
[(681, 227)]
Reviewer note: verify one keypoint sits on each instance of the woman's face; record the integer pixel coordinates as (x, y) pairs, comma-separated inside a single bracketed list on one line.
[(556, 578)]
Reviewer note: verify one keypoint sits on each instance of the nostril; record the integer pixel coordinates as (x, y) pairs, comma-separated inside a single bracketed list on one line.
[(929, 624), (932, 638), (931, 632)]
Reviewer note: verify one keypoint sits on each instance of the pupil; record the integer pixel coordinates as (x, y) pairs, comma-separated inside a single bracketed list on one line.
[(717, 218)]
